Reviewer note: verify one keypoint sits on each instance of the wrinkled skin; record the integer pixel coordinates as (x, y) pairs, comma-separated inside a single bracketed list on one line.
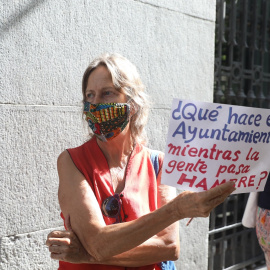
[(65, 245)]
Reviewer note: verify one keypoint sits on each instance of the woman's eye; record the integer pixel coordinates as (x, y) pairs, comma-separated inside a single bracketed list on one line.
[(107, 93), (89, 95)]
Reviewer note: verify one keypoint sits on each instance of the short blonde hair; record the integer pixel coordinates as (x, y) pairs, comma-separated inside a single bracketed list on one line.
[(126, 79)]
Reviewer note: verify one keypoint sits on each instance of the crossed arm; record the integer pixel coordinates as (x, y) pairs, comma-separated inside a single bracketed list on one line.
[(149, 239)]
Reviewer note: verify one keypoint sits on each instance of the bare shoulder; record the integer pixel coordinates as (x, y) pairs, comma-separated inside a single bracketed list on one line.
[(68, 173), (70, 179), (161, 155), (64, 158), (65, 165)]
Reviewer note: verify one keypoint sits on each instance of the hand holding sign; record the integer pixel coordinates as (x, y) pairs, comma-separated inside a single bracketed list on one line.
[(200, 204), (210, 144)]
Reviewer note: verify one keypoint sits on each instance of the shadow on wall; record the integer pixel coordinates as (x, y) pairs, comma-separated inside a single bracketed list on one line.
[(17, 16)]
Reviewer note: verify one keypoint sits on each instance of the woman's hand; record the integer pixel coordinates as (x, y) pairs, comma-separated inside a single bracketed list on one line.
[(65, 246), (199, 204), (78, 200)]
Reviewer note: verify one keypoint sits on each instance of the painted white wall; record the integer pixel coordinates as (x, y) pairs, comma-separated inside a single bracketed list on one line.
[(46, 46)]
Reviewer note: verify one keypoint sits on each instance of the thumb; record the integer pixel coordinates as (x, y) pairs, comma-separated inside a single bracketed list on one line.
[(68, 224)]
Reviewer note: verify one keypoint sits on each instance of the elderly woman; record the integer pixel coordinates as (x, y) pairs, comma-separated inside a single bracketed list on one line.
[(113, 179)]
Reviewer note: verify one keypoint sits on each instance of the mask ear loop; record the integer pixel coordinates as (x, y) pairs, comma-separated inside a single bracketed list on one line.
[(127, 90), (132, 107)]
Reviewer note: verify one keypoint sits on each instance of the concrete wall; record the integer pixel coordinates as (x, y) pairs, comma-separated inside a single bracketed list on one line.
[(46, 45)]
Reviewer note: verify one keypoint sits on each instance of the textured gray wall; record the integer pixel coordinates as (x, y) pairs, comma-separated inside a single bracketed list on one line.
[(46, 45)]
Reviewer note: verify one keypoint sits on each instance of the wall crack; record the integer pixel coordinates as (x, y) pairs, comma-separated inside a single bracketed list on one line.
[(173, 10)]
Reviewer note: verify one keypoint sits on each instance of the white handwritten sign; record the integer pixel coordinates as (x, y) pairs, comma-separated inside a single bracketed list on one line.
[(209, 144)]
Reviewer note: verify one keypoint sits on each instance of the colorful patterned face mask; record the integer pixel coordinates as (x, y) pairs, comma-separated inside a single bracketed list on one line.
[(107, 120)]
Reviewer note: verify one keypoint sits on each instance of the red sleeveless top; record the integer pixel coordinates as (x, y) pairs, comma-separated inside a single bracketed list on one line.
[(139, 194)]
